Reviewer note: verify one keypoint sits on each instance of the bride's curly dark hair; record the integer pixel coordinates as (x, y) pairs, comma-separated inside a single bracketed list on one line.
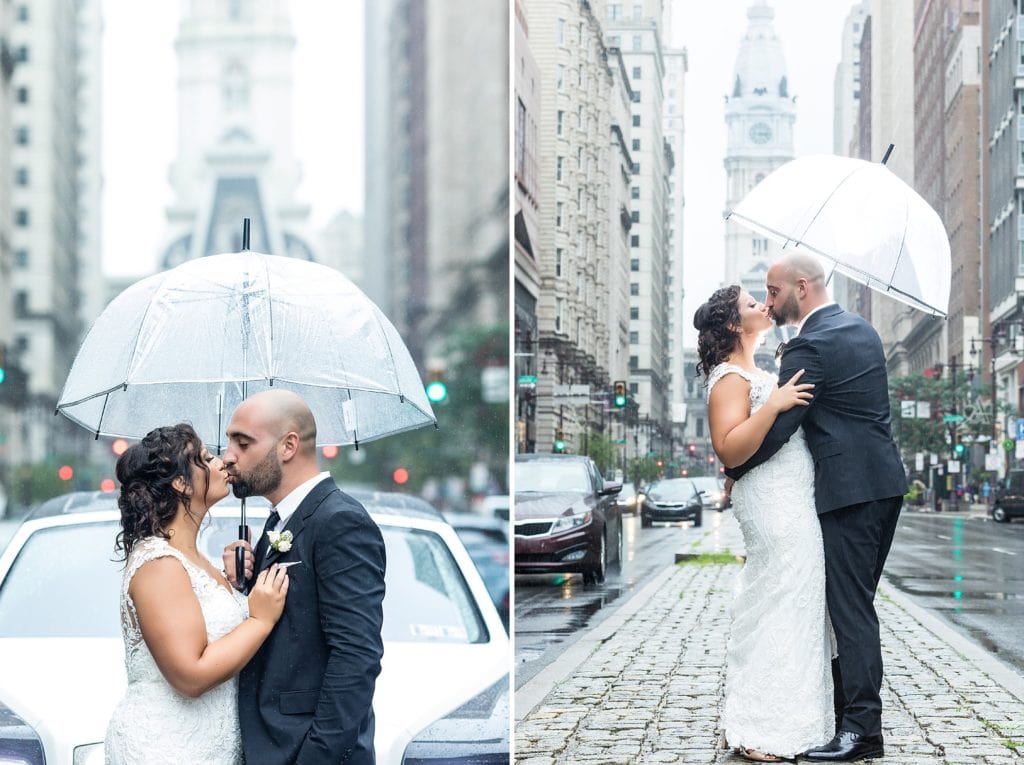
[(717, 322), (147, 470)]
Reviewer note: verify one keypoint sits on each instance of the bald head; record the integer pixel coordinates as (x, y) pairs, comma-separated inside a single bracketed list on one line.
[(281, 411), (795, 286)]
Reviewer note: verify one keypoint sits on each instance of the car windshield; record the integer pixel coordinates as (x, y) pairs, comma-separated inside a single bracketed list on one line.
[(552, 475), (671, 490), (710, 485), (73, 571)]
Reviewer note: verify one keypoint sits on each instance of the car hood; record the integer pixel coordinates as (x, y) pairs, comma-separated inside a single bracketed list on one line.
[(530, 505), (65, 688), (420, 683)]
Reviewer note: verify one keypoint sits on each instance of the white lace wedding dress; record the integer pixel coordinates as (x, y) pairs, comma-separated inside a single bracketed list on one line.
[(778, 691), (154, 723)]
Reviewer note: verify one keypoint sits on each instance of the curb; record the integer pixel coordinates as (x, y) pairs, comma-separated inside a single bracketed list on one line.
[(532, 693), (1000, 672)]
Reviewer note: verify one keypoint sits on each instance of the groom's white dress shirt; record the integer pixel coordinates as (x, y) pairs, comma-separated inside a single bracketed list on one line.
[(290, 503), (811, 313)]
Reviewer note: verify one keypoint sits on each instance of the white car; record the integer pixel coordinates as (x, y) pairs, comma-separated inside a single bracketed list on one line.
[(443, 691)]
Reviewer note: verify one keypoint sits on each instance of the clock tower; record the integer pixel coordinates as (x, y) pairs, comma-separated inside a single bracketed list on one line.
[(759, 116)]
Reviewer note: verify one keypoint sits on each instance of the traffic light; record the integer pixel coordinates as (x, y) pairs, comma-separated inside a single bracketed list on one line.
[(3, 363), (692, 448), (620, 393), (436, 389), (559, 440), (959, 448)]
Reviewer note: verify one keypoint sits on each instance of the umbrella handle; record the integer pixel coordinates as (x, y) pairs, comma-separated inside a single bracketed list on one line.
[(240, 558)]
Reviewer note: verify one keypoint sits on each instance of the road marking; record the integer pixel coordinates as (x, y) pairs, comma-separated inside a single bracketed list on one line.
[(948, 539), (1004, 552)]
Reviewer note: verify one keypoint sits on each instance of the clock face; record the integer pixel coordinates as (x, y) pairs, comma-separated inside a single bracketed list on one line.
[(760, 132)]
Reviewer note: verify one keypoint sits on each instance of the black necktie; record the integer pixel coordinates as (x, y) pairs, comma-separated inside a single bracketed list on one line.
[(264, 541)]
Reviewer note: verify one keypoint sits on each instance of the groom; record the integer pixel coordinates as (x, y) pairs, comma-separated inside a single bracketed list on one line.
[(306, 696), (859, 483)]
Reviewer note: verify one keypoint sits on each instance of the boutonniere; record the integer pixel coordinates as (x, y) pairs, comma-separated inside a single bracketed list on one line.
[(280, 540)]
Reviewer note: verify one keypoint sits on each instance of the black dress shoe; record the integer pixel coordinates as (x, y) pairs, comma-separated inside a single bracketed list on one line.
[(846, 747)]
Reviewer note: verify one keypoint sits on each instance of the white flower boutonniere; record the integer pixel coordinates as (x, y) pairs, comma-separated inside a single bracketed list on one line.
[(280, 540)]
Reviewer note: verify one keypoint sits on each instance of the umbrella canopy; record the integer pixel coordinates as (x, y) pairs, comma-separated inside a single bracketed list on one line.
[(189, 344), (862, 219)]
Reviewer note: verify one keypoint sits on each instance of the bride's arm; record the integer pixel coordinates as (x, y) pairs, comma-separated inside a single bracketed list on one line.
[(174, 629), (736, 434)]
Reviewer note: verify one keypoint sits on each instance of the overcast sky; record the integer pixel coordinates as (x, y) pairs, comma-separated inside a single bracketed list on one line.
[(811, 35), (141, 121)]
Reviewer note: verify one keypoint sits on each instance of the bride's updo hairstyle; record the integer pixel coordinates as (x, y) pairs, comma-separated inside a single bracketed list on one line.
[(716, 322), (148, 499)]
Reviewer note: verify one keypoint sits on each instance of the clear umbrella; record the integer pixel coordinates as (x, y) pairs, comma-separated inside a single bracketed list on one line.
[(192, 342), (862, 220), (189, 344)]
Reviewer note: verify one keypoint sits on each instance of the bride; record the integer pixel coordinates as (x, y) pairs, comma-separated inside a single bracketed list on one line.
[(187, 632), (778, 691)]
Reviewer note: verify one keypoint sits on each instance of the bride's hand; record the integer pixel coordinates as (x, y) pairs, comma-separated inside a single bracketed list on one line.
[(793, 393), (266, 600)]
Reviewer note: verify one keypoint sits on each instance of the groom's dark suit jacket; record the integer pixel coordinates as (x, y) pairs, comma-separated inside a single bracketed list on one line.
[(307, 694), (847, 424)]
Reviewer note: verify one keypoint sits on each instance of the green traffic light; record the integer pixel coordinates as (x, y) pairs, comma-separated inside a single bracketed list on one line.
[(959, 448), (559, 446), (437, 392), (620, 401), (3, 375)]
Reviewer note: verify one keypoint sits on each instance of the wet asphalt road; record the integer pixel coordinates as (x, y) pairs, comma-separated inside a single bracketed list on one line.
[(552, 610), (968, 571)]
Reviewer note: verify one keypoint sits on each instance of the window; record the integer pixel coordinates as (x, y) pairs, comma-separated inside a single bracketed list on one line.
[(559, 207), (520, 139), (634, 338), (636, 168), (560, 31), (560, 77), (636, 120), (614, 11), (579, 158), (559, 252), (21, 135), (21, 258), (634, 388), (21, 217), (1020, 259), (634, 240), (559, 313), (21, 54), (634, 193), (634, 264), (21, 303), (638, 42), (21, 176), (559, 122), (558, 168), (21, 95), (634, 362), (638, 12), (634, 289), (636, 216), (636, 96), (634, 313), (22, 13), (613, 41), (636, 144), (637, 71), (579, 118)]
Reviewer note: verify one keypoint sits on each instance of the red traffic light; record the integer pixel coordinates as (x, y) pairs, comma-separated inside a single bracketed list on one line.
[(400, 476), (119, 446), (65, 473), (330, 451), (107, 485)]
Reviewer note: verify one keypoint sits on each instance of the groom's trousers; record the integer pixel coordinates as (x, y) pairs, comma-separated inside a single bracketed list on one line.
[(857, 540)]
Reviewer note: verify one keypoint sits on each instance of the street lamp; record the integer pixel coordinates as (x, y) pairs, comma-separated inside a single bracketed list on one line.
[(993, 341)]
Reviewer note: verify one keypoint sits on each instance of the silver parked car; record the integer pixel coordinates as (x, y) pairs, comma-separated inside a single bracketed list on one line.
[(443, 691)]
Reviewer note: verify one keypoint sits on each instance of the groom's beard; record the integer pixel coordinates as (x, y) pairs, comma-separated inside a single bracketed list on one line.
[(788, 312), (262, 480)]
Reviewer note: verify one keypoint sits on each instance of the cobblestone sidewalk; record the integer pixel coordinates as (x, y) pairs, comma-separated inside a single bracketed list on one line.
[(651, 691)]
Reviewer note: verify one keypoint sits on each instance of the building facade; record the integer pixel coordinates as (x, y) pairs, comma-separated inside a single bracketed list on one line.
[(638, 34), (759, 114), (234, 64)]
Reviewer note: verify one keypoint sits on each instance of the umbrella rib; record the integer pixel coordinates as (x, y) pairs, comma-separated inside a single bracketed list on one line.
[(829, 197), (90, 397), (903, 240), (391, 356)]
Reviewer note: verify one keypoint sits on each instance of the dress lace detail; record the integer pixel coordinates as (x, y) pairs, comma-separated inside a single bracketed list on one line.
[(154, 723), (778, 690)]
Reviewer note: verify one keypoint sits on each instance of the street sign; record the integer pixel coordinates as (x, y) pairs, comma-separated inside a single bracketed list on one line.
[(1020, 429), (993, 461), (908, 409), (953, 466), (952, 418), (527, 379)]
